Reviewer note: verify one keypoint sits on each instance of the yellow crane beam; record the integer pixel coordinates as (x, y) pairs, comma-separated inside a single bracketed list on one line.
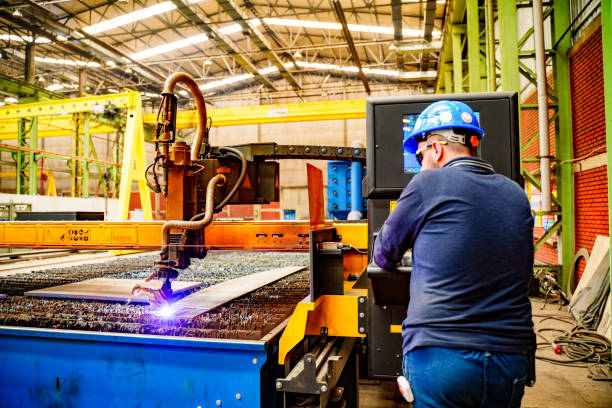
[(54, 118)]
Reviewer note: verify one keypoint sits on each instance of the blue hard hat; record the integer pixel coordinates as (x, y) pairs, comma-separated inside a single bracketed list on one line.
[(442, 115)]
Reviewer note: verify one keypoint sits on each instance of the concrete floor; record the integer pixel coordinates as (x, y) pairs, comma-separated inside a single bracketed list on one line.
[(556, 386)]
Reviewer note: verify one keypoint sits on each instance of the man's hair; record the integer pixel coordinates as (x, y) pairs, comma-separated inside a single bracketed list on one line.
[(454, 147)]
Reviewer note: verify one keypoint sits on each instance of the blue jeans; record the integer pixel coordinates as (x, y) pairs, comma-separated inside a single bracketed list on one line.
[(443, 377)]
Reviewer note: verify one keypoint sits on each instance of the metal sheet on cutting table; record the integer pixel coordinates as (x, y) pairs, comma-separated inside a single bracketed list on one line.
[(118, 290), (208, 298)]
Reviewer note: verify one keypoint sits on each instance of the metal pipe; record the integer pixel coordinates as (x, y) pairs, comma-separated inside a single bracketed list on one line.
[(490, 33), (200, 106), (218, 180), (356, 212), (538, 33)]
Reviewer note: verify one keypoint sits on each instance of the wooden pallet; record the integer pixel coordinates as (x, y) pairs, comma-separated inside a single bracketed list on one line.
[(118, 290)]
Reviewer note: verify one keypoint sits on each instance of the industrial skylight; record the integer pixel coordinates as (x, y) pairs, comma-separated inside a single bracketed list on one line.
[(166, 6), (24, 38), (89, 64), (186, 42), (408, 32), (321, 66), (130, 18)]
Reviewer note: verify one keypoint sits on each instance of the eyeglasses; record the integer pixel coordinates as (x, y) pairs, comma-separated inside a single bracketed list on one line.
[(419, 153)]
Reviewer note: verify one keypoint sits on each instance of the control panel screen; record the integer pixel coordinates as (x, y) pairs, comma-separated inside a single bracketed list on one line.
[(411, 165)]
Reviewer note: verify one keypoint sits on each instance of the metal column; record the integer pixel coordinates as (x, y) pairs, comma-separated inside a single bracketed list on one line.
[(563, 134), (606, 43), (473, 45), (33, 158), (457, 60), (508, 38)]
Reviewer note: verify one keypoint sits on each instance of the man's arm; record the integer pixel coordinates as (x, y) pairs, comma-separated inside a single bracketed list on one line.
[(399, 231)]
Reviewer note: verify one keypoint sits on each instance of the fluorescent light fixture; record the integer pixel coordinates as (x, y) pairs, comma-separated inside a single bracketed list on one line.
[(61, 38), (89, 64), (11, 100), (414, 47), (130, 18), (170, 47), (408, 32), (126, 60), (423, 1), (111, 64), (24, 38), (416, 75), (150, 95), (226, 81), (57, 87), (370, 71), (2, 103)]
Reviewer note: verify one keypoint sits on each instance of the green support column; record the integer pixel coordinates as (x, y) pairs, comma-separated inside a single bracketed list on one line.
[(563, 135), (448, 79), (473, 43), (19, 157), (457, 61), (508, 44), (86, 153), (73, 162), (490, 45), (33, 158), (606, 39)]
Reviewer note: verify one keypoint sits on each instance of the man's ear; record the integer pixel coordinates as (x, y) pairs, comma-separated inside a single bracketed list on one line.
[(438, 151)]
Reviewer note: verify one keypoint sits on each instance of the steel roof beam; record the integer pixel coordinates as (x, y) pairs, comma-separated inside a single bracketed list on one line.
[(430, 15), (96, 49), (241, 18), (396, 11), (224, 43), (349, 39)]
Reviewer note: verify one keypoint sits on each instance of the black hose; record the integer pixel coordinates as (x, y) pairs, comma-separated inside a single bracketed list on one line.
[(236, 186), (579, 346)]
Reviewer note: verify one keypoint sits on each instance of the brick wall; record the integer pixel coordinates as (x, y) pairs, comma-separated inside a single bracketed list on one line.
[(588, 128)]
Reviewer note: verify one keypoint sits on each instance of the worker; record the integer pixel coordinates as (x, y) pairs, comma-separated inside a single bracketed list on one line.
[(468, 336)]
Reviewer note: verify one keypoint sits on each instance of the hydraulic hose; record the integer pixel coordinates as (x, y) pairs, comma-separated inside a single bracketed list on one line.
[(217, 180), (185, 78), (234, 190), (243, 169)]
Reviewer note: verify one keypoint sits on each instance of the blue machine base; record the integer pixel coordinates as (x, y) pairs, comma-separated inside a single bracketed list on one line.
[(61, 368)]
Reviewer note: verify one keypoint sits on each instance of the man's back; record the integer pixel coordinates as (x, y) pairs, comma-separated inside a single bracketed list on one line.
[(472, 236)]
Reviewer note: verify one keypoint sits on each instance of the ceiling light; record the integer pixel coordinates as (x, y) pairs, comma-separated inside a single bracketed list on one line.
[(170, 47), (130, 18), (11, 100), (17, 13), (207, 61), (89, 64), (124, 59), (24, 38), (128, 70), (2, 103), (111, 64), (226, 81), (408, 32), (61, 38), (297, 54)]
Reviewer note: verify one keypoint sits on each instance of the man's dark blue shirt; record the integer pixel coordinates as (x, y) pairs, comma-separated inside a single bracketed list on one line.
[(471, 231)]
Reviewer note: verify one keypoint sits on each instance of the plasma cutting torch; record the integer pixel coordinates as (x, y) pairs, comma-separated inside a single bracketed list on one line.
[(200, 180)]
